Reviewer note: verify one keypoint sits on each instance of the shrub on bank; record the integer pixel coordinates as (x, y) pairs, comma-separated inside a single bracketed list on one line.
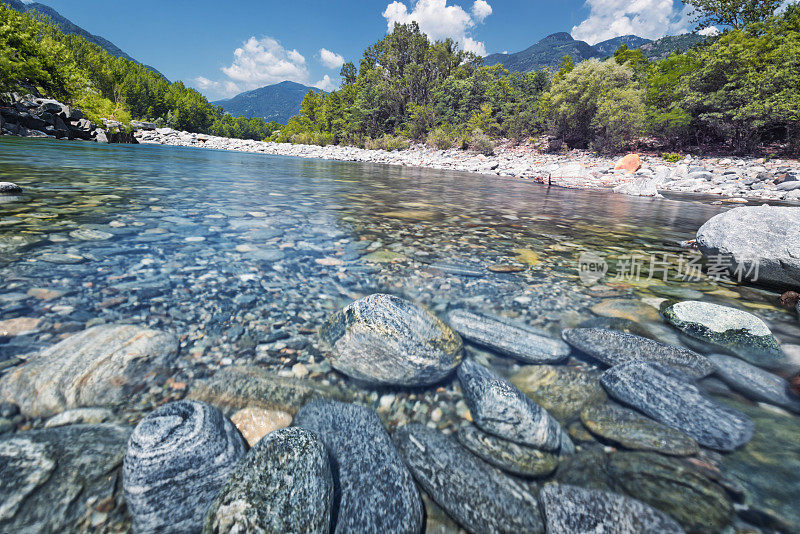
[(387, 142), (481, 143)]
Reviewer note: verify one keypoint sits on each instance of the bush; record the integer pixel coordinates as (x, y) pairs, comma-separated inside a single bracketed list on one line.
[(443, 138), (595, 103), (479, 142), (312, 138), (387, 142), (671, 157)]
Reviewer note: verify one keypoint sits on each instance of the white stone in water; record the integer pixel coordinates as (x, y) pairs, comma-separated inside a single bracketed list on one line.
[(709, 316)]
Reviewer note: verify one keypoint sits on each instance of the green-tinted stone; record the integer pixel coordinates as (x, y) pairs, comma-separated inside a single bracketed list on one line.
[(769, 467), (562, 391), (506, 455), (667, 484), (634, 431)]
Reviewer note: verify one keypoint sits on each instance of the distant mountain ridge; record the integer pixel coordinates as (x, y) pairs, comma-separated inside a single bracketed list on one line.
[(276, 102), (69, 27), (551, 50)]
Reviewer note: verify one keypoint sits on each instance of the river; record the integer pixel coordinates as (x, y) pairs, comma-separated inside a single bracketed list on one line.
[(245, 255)]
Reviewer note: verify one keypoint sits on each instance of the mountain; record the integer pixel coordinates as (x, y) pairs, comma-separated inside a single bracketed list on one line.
[(546, 53), (69, 27), (607, 48), (550, 51), (276, 102), (665, 46)]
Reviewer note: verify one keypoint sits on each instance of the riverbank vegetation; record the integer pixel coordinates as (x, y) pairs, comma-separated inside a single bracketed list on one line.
[(35, 56), (736, 91)]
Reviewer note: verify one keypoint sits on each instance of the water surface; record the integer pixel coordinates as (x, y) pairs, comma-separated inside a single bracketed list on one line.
[(244, 255)]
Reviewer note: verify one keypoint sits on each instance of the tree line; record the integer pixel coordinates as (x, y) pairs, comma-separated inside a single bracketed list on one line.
[(36, 56), (739, 89)]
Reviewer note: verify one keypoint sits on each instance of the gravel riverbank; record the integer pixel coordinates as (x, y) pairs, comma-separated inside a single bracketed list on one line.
[(729, 178)]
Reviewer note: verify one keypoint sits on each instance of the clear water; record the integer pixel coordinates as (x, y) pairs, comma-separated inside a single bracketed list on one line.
[(230, 249)]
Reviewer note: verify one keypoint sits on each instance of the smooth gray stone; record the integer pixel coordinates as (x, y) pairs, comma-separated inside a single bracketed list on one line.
[(569, 509), (8, 188), (284, 484), (499, 408), (769, 235), (385, 340), (100, 366), (740, 332), (613, 347), (652, 390), (479, 497), (178, 459), (508, 456), (458, 269), (755, 383), (374, 492), (506, 337), (49, 477)]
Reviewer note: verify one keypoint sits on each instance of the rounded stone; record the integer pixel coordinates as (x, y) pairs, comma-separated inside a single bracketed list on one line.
[(374, 491), (634, 431), (499, 408), (755, 383), (760, 242), (574, 509), (478, 496), (385, 340), (629, 163), (509, 338), (178, 459), (658, 393), (612, 347), (742, 333), (284, 484), (511, 457)]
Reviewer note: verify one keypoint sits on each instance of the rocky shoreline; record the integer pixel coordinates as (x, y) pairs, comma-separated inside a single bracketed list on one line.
[(734, 179), (31, 116)]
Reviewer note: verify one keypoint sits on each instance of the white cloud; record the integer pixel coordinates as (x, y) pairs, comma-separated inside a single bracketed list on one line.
[(439, 20), (710, 31), (264, 61), (652, 19), (330, 59), (326, 84), (258, 62), (480, 10)]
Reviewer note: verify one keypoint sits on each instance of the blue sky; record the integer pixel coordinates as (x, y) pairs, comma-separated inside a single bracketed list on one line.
[(223, 48)]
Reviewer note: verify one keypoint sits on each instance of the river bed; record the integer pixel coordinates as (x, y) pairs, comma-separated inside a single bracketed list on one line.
[(244, 256)]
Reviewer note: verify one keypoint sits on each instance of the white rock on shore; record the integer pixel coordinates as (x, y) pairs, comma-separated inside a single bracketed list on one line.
[(732, 178)]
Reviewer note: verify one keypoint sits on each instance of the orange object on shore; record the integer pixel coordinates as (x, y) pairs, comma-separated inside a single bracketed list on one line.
[(630, 163)]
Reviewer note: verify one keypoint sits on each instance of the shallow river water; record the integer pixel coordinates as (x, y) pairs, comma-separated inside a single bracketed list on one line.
[(244, 256)]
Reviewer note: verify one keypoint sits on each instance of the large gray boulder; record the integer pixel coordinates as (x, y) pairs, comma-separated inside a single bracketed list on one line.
[(385, 340), (768, 236), (100, 366)]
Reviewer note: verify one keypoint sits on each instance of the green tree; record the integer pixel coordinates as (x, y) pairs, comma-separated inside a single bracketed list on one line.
[(731, 13)]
